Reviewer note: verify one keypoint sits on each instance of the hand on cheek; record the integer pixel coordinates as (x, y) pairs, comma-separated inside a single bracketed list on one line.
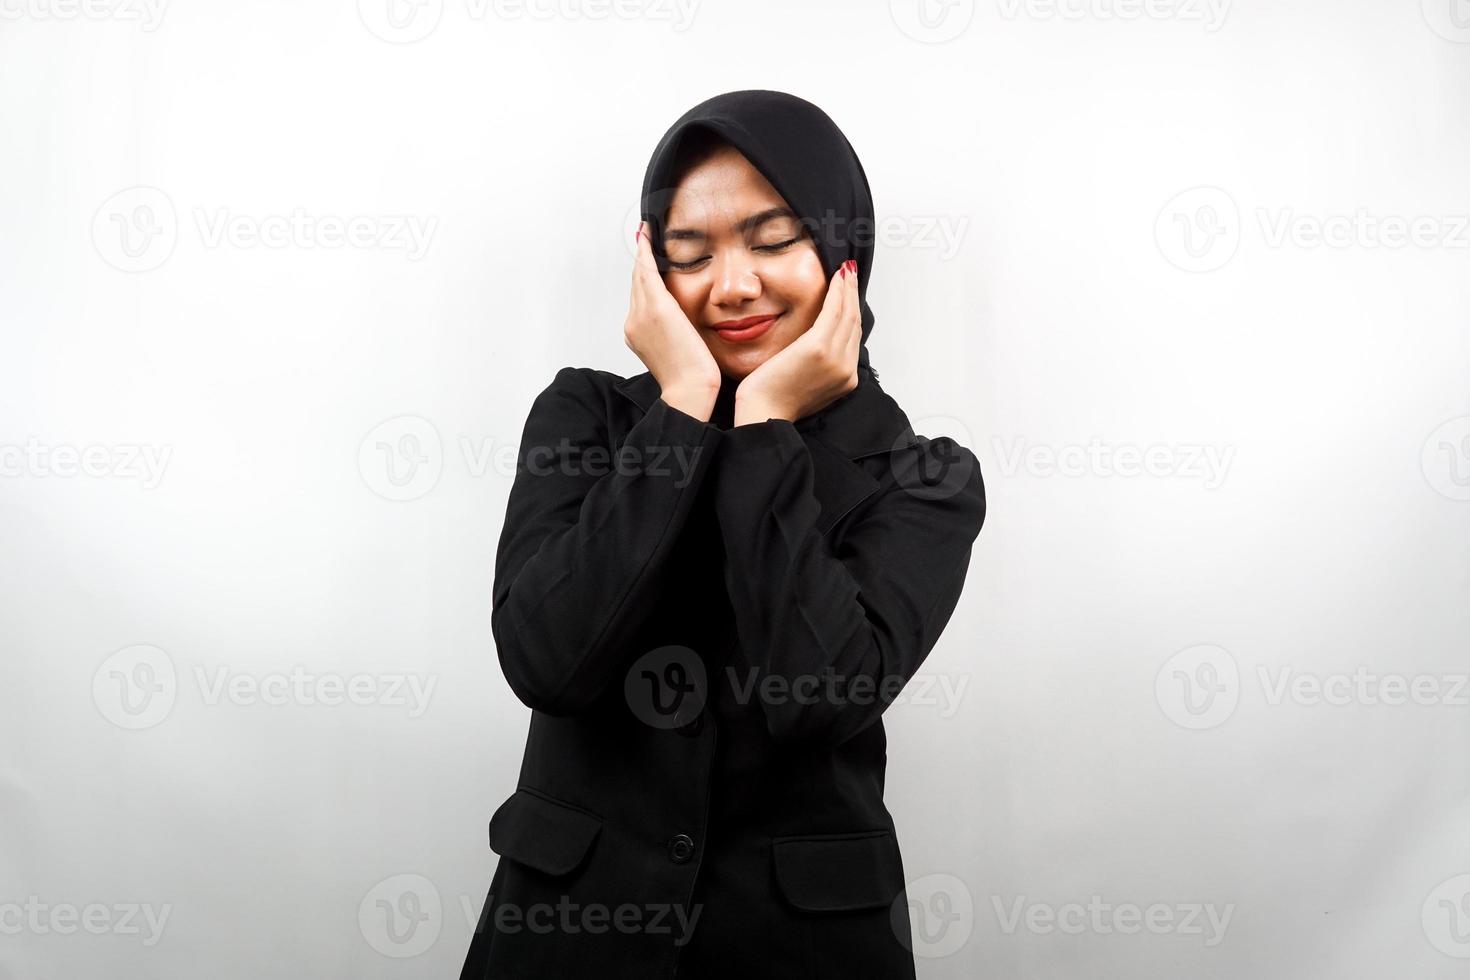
[(816, 368)]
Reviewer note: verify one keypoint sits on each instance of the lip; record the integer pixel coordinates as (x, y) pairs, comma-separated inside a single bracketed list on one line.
[(746, 329)]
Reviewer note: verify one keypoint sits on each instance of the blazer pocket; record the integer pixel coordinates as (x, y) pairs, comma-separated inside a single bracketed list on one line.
[(543, 833), (838, 872)]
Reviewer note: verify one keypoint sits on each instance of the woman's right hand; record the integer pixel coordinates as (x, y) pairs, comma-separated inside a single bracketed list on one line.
[(666, 342)]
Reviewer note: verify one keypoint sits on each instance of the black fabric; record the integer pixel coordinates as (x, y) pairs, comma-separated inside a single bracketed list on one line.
[(832, 549), (800, 150)]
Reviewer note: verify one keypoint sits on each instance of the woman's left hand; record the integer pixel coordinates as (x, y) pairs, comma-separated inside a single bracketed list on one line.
[(816, 368)]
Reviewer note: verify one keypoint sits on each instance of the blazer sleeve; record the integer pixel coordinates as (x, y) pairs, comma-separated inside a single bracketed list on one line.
[(837, 635), (587, 528)]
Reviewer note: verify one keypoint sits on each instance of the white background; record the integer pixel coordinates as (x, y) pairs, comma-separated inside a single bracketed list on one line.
[(1129, 195)]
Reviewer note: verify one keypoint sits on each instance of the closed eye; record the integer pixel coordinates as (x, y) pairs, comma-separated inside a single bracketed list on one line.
[(768, 249), (778, 246)]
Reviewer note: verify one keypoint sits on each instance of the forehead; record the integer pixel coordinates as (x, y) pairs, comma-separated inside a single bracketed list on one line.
[(724, 185)]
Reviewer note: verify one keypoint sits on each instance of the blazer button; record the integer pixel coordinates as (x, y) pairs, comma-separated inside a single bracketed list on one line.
[(681, 848)]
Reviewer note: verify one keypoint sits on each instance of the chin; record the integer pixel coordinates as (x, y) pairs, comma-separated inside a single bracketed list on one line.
[(738, 367)]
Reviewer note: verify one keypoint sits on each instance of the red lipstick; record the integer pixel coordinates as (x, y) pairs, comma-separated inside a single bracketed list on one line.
[(748, 328)]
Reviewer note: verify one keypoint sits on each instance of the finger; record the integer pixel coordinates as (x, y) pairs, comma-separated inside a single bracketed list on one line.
[(846, 309), (636, 276), (847, 336), (647, 280), (855, 327), (833, 305), (643, 252), (854, 301), (651, 266)]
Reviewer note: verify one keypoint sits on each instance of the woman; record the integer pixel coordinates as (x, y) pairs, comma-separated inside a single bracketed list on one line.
[(713, 577)]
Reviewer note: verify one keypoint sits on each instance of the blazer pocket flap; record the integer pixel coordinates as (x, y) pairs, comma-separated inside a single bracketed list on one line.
[(540, 832), (839, 872)]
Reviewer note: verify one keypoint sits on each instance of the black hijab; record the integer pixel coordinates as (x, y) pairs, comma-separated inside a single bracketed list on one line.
[(807, 159)]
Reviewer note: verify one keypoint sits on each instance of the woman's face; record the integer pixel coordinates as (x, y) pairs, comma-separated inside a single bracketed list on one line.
[(737, 252)]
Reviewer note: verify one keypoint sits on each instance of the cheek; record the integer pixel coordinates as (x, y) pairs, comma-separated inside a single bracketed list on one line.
[(805, 285), (688, 295)]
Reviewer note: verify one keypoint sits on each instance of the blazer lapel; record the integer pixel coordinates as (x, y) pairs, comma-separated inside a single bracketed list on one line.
[(864, 422)]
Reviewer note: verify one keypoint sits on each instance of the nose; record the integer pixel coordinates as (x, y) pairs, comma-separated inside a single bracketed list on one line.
[(735, 281)]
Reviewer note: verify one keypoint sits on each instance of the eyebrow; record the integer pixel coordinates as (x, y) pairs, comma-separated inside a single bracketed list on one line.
[(755, 220)]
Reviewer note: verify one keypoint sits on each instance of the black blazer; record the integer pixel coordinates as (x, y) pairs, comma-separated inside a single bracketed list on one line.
[(708, 624)]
